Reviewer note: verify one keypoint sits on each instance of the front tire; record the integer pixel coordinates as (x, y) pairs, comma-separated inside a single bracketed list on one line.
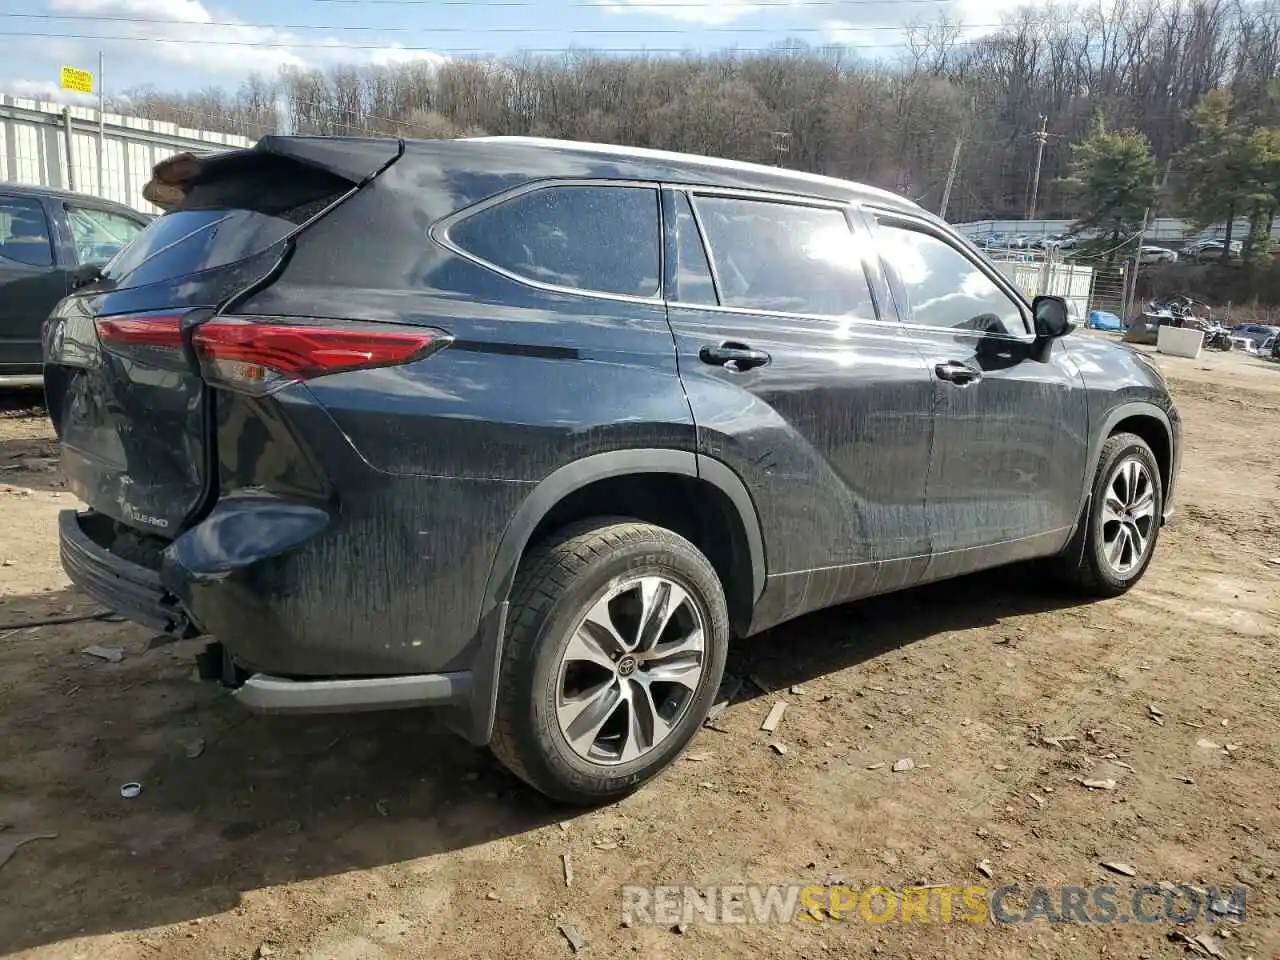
[(1123, 520), (616, 644)]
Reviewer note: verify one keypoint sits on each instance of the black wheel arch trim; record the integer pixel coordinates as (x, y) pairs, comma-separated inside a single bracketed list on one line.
[(476, 722), (618, 463), (1134, 408)]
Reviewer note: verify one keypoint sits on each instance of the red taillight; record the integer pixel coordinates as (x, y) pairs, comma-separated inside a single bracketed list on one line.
[(258, 357), (155, 330), (151, 338)]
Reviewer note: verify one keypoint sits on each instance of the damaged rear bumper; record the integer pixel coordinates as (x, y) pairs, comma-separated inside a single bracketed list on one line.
[(138, 593), (127, 588)]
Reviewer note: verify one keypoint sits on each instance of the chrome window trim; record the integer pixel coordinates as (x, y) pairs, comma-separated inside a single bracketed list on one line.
[(754, 193), (439, 232)]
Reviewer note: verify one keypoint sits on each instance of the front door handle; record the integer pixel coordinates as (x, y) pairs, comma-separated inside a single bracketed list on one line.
[(733, 356), (961, 374)]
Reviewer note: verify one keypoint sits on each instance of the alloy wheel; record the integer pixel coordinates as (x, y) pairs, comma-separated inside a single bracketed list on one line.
[(630, 670), (1128, 516)]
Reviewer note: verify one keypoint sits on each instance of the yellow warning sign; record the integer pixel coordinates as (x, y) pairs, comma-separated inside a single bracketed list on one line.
[(77, 80)]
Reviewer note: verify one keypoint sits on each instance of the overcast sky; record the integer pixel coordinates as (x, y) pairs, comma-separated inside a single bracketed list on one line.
[(218, 42)]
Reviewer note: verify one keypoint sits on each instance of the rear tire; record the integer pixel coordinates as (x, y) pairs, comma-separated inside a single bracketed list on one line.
[(1122, 521), (616, 644)]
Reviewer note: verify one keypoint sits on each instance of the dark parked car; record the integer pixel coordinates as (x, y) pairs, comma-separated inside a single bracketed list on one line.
[(528, 430), (48, 240), (1255, 333)]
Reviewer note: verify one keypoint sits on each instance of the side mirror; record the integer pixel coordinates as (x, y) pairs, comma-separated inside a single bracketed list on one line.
[(1052, 319), (84, 275)]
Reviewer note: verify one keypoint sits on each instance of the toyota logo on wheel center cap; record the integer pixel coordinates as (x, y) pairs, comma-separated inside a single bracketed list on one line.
[(626, 666)]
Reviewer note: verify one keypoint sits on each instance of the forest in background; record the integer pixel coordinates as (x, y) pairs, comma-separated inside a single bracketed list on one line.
[(892, 122)]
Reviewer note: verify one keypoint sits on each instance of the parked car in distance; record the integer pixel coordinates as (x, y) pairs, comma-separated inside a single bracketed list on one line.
[(49, 240), (1212, 250), (1151, 254), (527, 430), (1061, 241), (1197, 243), (1255, 333)]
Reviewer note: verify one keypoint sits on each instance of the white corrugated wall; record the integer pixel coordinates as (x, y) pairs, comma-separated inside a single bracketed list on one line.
[(33, 149)]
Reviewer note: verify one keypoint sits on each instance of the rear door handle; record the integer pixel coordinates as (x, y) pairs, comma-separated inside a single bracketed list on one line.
[(733, 356), (961, 374)]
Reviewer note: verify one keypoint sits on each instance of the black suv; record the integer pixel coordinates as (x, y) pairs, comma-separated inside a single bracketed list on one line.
[(527, 430)]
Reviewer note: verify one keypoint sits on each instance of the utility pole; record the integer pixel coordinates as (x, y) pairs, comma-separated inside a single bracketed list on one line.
[(1131, 279), (951, 178), (102, 129), (71, 148), (781, 145), (1042, 137), (955, 163)]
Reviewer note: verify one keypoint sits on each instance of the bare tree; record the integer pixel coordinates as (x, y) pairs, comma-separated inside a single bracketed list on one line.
[(1139, 63)]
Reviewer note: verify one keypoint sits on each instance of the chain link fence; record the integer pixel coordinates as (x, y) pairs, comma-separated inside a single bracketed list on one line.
[(1050, 276)]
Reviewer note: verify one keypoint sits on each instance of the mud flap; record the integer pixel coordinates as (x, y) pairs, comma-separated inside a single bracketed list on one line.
[(214, 662), (1073, 555), (475, 721)]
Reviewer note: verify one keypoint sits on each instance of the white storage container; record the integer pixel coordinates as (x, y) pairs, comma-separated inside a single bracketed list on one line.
[(1180, 341)]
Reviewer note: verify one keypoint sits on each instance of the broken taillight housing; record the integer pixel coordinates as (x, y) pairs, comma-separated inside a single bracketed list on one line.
[(261, 356)]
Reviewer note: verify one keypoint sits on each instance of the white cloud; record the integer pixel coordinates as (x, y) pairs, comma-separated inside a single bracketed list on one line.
[(850, 34), (971, 18), (199, 38), (707, 12), (49, 91), (394, 55)]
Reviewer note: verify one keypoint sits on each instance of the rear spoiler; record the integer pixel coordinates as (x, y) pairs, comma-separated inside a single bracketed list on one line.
[(351, 158)]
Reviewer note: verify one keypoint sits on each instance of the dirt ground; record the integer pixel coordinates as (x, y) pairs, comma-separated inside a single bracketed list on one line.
[(384, 836)]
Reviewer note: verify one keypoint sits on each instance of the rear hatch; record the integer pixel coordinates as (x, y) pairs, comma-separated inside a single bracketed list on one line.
[(123, 386)]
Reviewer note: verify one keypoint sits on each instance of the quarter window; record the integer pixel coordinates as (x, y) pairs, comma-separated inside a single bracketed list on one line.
[(591, 238), (785, 257), (24, 232), (944, 288)]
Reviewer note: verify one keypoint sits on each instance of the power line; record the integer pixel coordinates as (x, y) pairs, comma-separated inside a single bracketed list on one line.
[(593, 4), (630, 31), (475, 51)]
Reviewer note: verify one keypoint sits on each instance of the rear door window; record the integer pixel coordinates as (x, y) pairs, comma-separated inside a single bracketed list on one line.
[(600, 239), (24, 232), (785, 257), (99, 234)]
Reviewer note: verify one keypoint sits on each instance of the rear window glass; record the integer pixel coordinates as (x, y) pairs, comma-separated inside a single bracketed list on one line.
[(601, 239), (226, 219)]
